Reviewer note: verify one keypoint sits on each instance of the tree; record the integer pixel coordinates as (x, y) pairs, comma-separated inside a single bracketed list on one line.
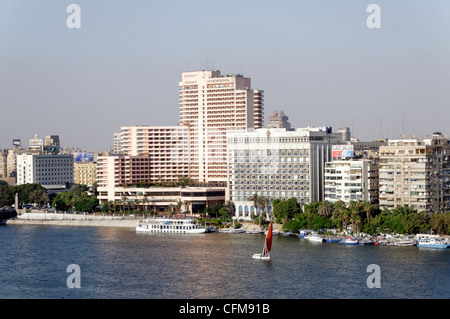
[(325, 209), (230, 208)]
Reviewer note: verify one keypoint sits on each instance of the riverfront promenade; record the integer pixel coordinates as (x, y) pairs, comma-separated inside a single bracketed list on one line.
[(65, 219), (68, 219)]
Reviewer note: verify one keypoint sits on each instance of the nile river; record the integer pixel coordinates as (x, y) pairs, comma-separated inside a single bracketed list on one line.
[(120, 263)]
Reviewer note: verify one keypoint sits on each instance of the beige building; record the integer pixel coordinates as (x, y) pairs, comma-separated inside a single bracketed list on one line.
[(166, 149), (415, 173), (85, 173), (212, 105), (162, 199)]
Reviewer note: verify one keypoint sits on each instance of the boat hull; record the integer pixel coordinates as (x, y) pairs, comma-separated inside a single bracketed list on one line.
[(261, 257), (349, 242), (190, 231), (433, 246)]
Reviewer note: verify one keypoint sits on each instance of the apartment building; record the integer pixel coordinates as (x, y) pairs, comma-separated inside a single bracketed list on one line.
[(415, 172), (351, 180), (278, 163), (211, 105)]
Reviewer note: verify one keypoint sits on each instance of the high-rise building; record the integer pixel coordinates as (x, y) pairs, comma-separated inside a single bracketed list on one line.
[(211, 105), (117, 143), (415, 173), (278, 163), (258, 103)]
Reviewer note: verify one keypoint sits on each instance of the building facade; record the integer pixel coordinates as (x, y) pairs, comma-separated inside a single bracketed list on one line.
[(163, 199), (415, 173), (47, 170), (85, 173), (351, 180), (211, 105), (278, 163)]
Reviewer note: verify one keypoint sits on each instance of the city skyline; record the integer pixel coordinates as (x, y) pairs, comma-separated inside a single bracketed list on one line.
[(318, 62)]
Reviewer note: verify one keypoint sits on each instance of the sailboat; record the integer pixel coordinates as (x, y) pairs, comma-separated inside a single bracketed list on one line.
[(267, 246)]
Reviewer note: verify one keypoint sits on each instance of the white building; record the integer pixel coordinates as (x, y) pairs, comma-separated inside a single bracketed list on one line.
[(48, 170), (277, 163), (350, 180)]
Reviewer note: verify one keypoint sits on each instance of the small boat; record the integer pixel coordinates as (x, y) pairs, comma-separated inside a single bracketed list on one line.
[(366, 242), (254, 231), (302, 234), (210, 229), (274, 232), (267, 246), (405, 242), (314, 238), (349, 241), (288, 233), (332, 239), (432, 243), (231, 230)]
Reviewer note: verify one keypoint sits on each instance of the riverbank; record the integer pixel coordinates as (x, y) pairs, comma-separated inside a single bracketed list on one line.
[(66, 219), (61, 219)]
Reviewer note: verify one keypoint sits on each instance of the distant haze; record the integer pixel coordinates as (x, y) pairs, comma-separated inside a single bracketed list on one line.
[(316, 60)]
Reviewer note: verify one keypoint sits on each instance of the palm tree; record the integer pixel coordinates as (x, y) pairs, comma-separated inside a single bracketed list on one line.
[(230, 207), (255, 199), (325, 209), (368, 209)]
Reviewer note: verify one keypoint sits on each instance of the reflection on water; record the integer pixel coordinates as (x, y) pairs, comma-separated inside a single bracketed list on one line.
[(120, 263)]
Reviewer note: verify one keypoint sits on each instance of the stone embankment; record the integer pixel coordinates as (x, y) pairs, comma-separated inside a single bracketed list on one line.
[(65, 219)]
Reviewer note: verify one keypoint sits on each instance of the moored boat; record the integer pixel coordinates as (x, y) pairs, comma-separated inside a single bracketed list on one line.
[(349, 241), (332, 239), (231, 230), (405, 242), (302, 234), (169, 225), (432, 243), (314, 237), (366, 241)]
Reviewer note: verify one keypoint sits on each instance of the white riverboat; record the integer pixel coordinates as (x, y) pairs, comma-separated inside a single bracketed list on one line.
[(314, 237), (170, 225), (432, 243)]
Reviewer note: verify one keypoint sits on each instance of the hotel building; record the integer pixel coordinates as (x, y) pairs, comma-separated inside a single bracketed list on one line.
[(212, 105), (415, 173), (278, 163)]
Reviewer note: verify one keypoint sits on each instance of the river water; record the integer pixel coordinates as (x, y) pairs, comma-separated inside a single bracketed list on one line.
[(120, 263)]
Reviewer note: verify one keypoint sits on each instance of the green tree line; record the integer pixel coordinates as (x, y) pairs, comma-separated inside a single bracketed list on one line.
[(28, 193), (77, 199), (361, 216)]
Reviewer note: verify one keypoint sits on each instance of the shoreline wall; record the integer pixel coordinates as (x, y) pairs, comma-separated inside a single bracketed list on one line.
[(58, 219)]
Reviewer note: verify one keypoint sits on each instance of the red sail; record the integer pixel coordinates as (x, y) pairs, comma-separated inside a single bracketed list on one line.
[(268, 245)]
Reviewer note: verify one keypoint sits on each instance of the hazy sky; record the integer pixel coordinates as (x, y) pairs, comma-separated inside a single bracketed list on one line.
[(316, 60)]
